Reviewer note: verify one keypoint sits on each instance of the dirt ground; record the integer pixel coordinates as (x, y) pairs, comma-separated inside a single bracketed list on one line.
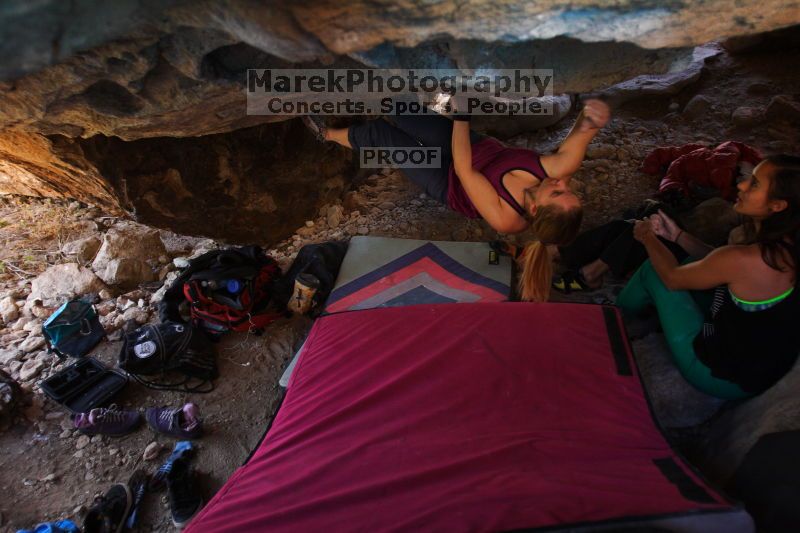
[(43, 473)]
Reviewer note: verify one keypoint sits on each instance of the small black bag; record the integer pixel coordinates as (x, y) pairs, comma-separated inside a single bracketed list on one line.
[(169, 348)]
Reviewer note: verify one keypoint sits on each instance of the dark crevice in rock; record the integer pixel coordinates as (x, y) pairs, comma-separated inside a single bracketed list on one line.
[(103, 96), (781, 40), (111, 98), (231, 62), (251, 185)]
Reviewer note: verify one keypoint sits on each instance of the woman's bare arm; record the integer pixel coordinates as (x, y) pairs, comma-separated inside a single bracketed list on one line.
[(570, 154), (719, 267), (478, 189), (664, 226)]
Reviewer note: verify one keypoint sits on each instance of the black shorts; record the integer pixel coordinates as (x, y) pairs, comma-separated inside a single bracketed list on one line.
[(414, 130)]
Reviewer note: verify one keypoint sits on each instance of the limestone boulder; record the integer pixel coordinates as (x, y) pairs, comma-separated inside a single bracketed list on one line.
[(83, 250), (129, 255), (8, 310), (738, 429), (62, 282), (662, 85)]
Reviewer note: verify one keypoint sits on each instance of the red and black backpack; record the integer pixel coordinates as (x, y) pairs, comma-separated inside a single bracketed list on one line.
[(227, 290)]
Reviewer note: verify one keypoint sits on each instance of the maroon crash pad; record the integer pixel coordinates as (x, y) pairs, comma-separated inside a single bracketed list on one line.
[(473, 417)]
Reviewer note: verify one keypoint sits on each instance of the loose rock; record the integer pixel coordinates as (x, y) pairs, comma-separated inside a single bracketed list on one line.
[(9, 355), (334, 215), (697, 107), (84, 249), (601, 151), (62, 282), (152, 451), (8, 309), (30, 369), (82, 442), (783, 107), (123, 257), (31, 344), (746, 116)]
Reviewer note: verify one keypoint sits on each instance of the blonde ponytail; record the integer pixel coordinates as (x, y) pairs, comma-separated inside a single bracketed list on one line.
[(537, 272), (551, 225)]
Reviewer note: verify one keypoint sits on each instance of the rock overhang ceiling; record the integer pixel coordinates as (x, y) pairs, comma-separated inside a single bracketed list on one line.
[(79, 80)]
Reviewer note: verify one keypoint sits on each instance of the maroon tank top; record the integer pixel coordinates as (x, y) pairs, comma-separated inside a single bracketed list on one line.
[(493, 159)]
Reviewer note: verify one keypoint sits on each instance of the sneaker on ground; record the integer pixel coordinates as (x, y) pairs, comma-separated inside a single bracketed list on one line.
[(109, 512), (181, 422), (183, 448), (184, 498), (107, 421), (138, 486)]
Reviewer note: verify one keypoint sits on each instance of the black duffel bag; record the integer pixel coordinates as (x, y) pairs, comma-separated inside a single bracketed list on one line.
[(173, 356)]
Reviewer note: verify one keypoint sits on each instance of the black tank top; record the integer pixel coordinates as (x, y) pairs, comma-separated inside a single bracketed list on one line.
[(753, 349)]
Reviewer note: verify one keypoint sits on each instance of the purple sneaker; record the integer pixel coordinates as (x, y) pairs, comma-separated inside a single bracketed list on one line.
[(181, 422), (107, 421)]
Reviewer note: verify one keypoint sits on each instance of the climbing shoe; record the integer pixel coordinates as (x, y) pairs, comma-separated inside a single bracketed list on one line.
[(570, 282), (109, 512)]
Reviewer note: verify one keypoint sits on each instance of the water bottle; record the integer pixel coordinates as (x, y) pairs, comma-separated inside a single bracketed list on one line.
[(234, 286)]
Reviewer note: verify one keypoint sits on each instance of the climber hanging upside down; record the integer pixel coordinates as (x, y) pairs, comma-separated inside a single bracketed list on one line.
[(511, 188)]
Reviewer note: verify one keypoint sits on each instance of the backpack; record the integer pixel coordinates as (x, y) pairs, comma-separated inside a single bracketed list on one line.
[(323, 260), (73, 329), (169, 348), (227, 290)]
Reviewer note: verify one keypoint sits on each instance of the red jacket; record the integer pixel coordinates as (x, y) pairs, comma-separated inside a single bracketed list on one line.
[(699, 165)]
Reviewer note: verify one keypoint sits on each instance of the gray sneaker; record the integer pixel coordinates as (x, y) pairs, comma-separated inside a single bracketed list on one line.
[(181, 422), (107, 421)]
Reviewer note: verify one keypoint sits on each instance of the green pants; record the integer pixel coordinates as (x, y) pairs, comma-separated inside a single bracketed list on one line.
[(681, 319)]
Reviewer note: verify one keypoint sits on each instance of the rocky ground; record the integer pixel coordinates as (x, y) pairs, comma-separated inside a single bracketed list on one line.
[(53, 250)]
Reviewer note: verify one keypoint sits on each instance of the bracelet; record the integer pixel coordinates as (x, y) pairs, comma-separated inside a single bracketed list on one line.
[(678, 237)]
